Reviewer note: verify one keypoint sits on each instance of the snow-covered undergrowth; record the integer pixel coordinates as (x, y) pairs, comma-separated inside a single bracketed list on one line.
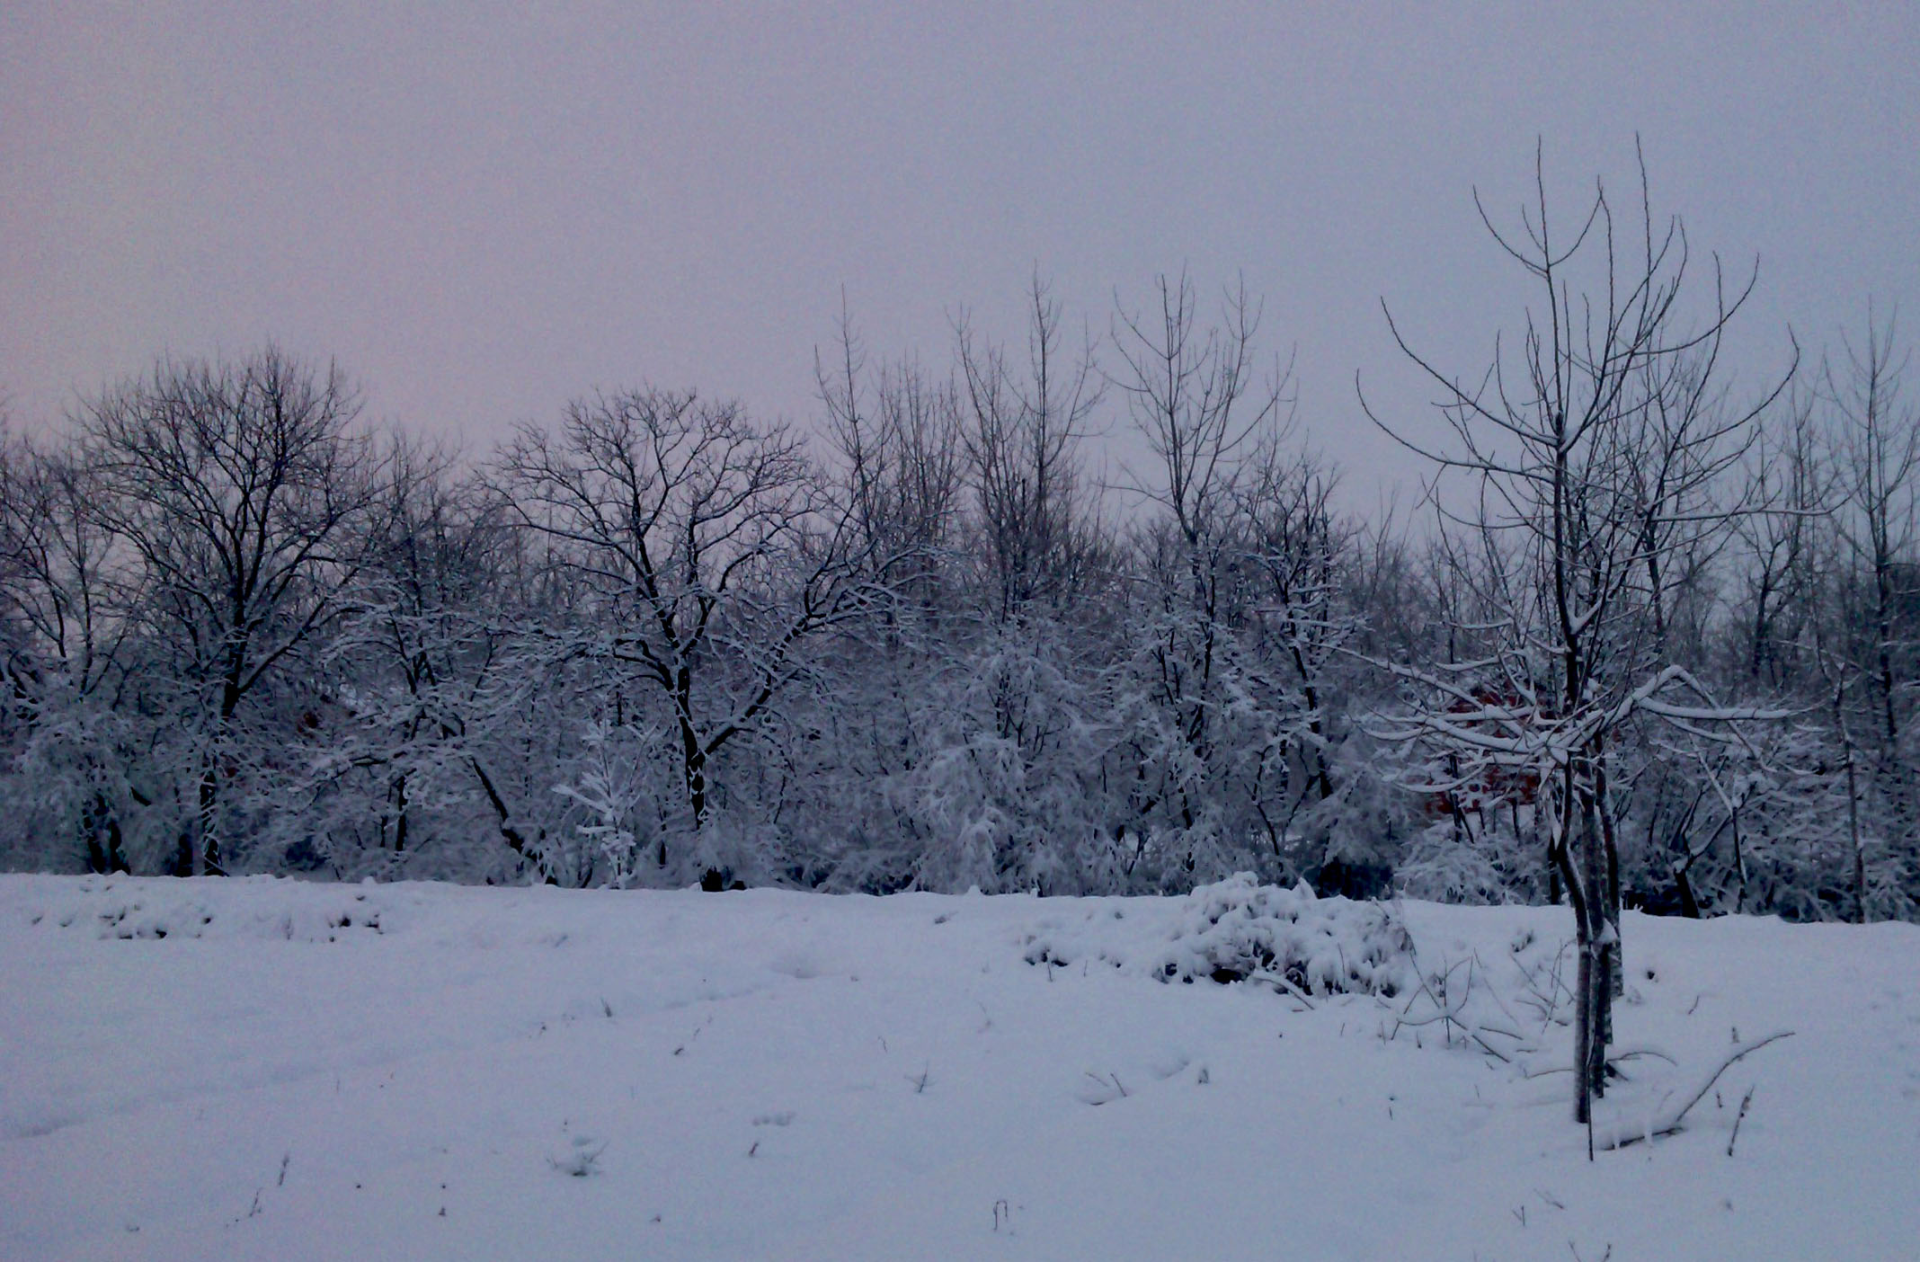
[(1239, 929), (302, 1071)]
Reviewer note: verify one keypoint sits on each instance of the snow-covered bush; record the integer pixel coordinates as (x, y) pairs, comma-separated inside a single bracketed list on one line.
[(1239, 928)]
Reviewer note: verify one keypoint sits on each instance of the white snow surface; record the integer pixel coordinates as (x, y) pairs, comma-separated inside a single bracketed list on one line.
[(302, 1071)]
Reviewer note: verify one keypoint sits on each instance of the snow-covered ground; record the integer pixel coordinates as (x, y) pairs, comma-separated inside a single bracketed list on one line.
[(415, 1072)]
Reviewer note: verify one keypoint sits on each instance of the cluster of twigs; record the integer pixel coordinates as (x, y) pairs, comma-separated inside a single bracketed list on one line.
[(1462, 1003), (1446, 998)]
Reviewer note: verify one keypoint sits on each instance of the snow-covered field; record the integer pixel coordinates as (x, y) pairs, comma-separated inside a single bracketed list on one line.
[(414, 1072)]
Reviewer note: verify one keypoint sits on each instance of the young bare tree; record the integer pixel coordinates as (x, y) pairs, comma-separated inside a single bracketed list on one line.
[(1298, 550), (868, 724), (1214, 574), (897, 437), (1196, 395), (1021, 434), (1593, 463), (1781, 546), (1877, 473)]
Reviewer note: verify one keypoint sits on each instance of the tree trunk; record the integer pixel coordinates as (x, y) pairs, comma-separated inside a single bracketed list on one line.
[(1615, 953), (694, 767), (1689, 903), (1600, 945), (1582, 990), (206, 854), (1853, 817)]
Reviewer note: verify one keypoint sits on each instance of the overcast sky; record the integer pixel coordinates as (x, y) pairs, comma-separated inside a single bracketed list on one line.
[(482, 209)]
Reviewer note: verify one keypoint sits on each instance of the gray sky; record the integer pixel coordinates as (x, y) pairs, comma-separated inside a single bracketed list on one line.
[(482, 209)]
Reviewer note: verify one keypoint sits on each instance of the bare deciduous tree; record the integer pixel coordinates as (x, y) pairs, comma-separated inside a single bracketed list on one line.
[(1021, 437), (237, 489), (706, 551), (1877, 521), (57, 601), (900, 453), (1593, 461)]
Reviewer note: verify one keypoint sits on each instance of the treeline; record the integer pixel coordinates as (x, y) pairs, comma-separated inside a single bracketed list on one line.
[(659, 641)]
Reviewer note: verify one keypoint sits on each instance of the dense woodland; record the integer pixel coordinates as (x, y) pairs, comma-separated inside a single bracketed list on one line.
[(1648, 637)]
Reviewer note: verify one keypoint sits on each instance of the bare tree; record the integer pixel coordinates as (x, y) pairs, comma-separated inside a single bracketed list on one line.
[(1021, 438), (897, 437), (1592, 462), (1877, 472), (58, 602), (1299, 549), (706, 551), (1782, 544), (63, 625), (1196, 395), (421, 662), (1214, 425), (237, 489)]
